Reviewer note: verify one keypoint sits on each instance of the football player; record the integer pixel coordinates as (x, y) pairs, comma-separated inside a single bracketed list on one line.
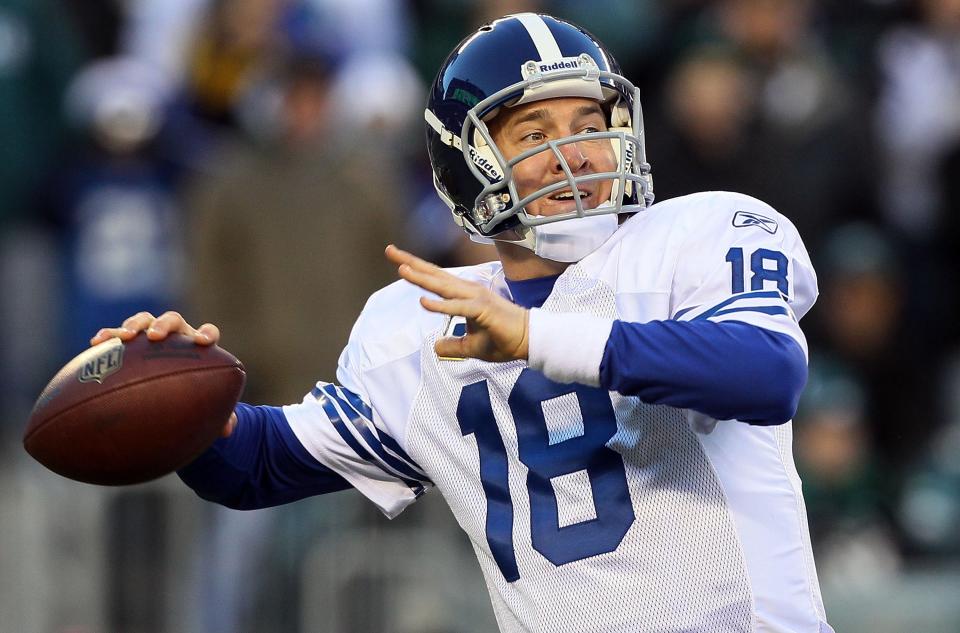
[(606, 409)]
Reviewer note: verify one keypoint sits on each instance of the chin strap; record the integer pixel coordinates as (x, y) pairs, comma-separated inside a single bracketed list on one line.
[(572, 240), (565, 241)]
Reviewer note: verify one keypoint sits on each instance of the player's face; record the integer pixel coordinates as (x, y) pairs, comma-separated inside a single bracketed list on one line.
[(524, 127)]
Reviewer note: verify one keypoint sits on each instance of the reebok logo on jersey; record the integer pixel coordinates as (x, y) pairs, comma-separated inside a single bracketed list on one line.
[(746, 218)]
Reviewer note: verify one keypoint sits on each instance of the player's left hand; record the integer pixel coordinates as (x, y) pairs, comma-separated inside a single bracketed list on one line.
[(497, 330)]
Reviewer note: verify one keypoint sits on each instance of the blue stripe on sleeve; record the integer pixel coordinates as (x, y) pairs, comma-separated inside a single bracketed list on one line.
[(727, 370), (771, 310), (338, 424), (362, 407), (366, 412), (372, 440), (391, 443), (261, 464), (760, 294)]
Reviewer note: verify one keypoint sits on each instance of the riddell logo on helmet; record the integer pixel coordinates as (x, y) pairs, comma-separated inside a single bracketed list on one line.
[(532, 68), (560, 65), (628, 155), (488, 168)]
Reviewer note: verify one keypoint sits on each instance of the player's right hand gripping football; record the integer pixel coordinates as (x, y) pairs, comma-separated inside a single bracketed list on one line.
[(157, 329)]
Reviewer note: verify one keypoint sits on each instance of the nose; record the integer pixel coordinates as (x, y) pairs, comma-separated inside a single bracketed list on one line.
[(574, 156)]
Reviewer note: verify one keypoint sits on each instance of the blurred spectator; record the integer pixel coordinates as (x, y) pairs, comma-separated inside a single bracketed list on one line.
[(221, 61), (918, 124), (703, 142), (832, 448), (784, 119), (159, 33), (380, 95), (325, 196), (930, 504), (358, 27), (860, 316), (800, 92), (848, 495), (850, 30), (288, 244), (235, 44), (114, 204), (119, 226), (918, 114)]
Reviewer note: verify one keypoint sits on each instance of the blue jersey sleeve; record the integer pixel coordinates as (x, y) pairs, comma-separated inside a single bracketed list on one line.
[(728, 370), (261, 464)]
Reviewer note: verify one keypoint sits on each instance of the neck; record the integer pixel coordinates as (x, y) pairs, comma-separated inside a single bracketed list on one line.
[(521, 263)]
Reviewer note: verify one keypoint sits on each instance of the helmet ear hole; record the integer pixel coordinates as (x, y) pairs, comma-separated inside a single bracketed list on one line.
[(620, 115)]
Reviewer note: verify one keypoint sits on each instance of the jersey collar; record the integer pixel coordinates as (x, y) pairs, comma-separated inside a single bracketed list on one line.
[(531, 293)]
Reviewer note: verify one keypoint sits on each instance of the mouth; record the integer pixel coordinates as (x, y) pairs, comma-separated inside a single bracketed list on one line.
[(567, 194), (563, 200)]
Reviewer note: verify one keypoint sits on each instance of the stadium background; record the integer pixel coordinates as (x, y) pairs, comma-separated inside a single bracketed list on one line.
[(245, 161)]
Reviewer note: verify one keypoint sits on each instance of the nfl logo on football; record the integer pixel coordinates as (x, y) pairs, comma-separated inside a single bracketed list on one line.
[(97, 369)]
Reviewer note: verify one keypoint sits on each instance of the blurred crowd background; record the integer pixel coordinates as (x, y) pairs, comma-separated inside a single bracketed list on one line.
[(245, 162)]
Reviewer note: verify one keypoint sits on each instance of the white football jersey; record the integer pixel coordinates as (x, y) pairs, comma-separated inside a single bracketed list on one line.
[(591, 511)]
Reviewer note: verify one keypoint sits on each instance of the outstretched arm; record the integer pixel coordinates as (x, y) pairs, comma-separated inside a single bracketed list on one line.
[(262, 464), (728, 370)]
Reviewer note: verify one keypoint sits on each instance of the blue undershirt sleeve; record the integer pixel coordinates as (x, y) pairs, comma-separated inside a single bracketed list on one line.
[(261, 464), (728, 370)]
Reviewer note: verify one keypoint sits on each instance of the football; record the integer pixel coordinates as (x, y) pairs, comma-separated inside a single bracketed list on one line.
[(125, 413)]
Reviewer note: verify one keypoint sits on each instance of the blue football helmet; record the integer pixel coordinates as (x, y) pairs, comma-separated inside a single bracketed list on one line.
[(514, 60)]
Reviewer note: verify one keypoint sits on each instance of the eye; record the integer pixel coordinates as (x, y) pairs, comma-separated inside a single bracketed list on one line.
[(533, 137), (589, 130)]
